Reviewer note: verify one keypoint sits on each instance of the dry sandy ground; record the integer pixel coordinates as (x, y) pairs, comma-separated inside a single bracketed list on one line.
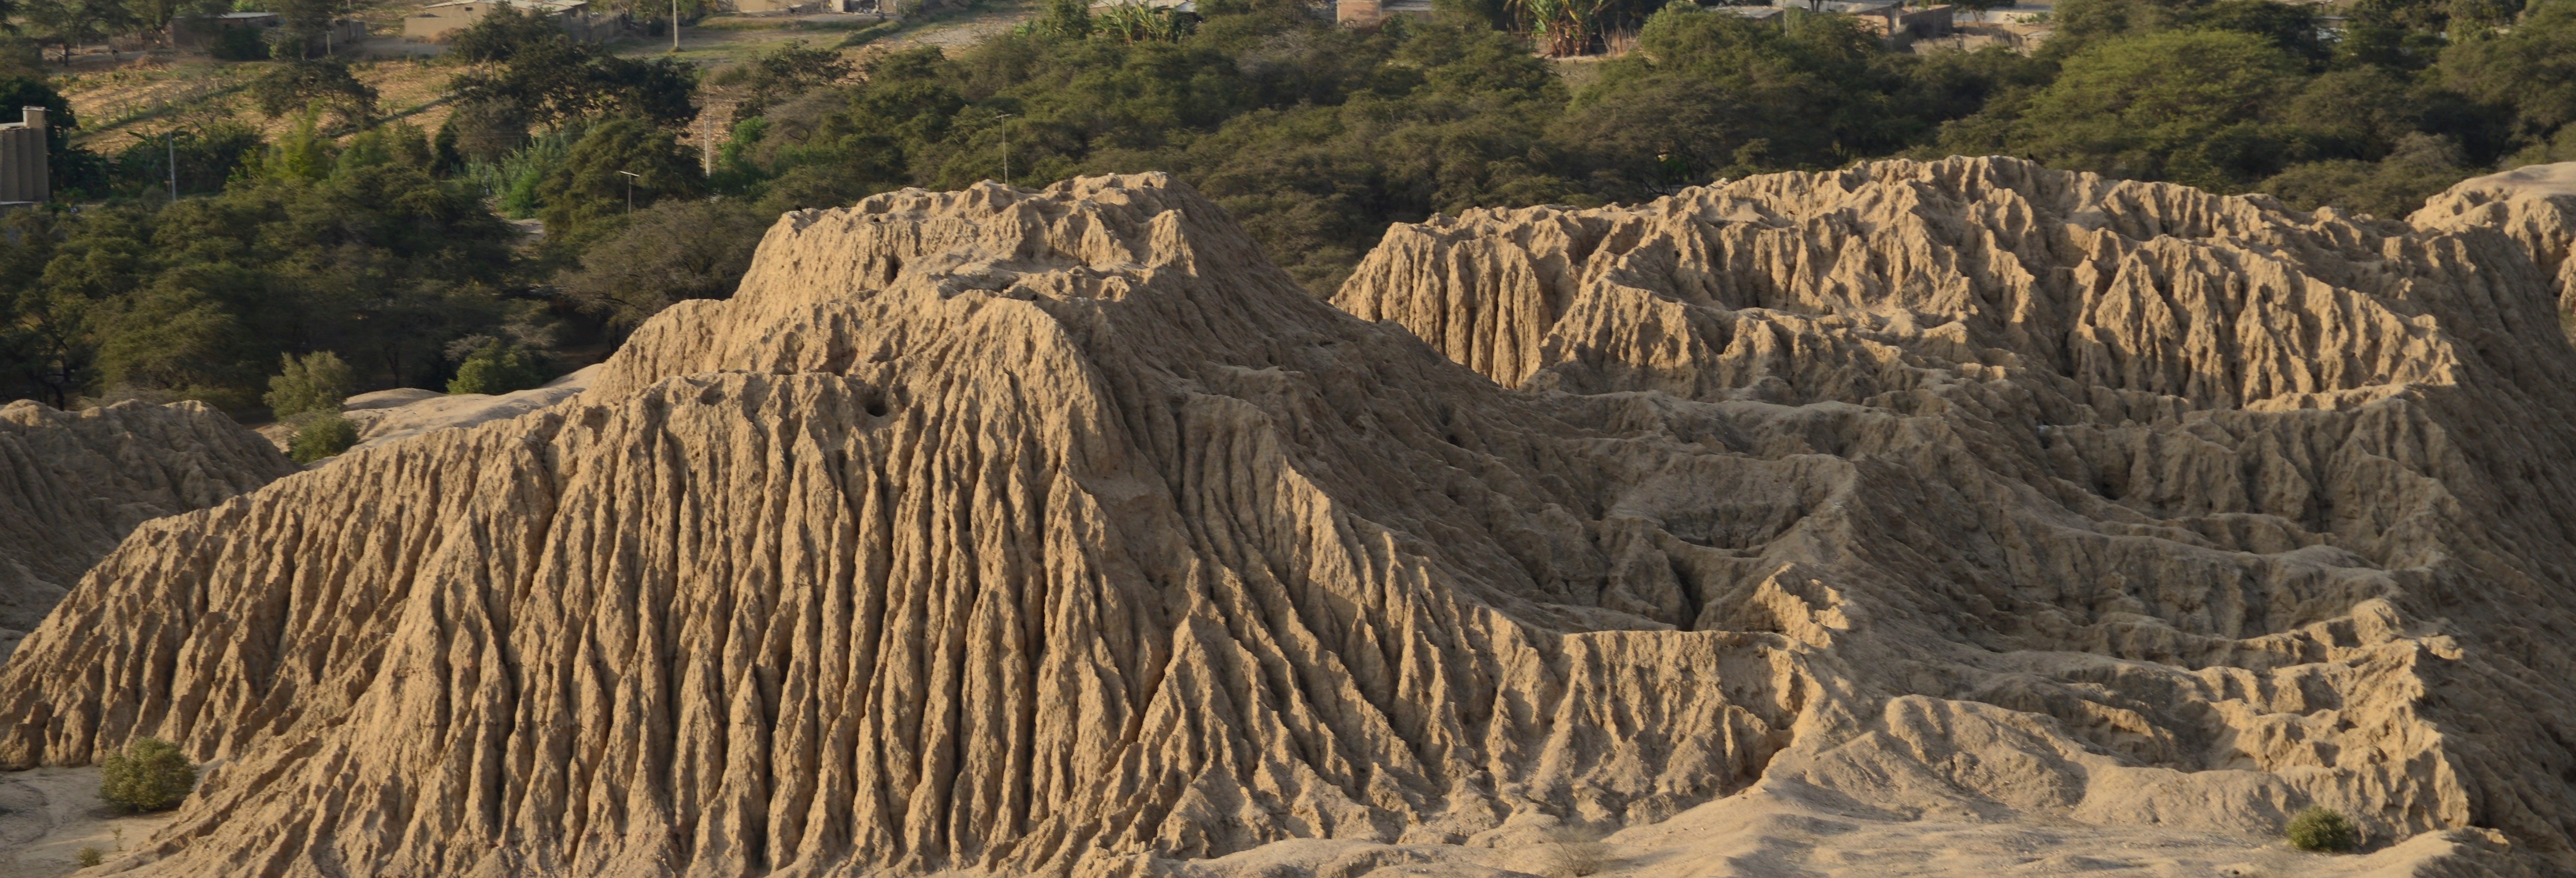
[(1762, 834), (48, 814)]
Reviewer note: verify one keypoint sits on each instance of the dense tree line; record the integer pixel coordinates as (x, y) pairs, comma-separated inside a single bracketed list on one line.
[(383, 245)]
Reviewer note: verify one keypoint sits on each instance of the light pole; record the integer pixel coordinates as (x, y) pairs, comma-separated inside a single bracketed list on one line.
[(1005, 119), (630, 189)]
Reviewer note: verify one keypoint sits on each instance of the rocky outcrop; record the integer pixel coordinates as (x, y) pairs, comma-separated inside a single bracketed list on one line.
[(2535, 205), (2189, 491), (73, 483), (1055, 532)]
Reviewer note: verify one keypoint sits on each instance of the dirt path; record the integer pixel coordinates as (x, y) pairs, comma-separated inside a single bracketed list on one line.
[(48, 814)]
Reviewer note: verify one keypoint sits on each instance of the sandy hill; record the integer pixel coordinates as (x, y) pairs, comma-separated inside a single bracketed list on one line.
[(73, 483), (1959, 515)]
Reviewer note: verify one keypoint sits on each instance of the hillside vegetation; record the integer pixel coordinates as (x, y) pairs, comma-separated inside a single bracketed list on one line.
[(389, 243)]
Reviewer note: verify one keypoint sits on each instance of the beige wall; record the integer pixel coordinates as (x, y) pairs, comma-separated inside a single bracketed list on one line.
[(22, 161)]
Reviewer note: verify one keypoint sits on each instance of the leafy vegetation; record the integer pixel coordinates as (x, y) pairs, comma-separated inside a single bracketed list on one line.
[(310, 383), (496, 366), (320, 434), (386, 247), (149, 775), (2323, 829)]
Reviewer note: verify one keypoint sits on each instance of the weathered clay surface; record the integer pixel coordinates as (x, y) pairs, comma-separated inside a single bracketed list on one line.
[(1057, 532), (2157, 507), (389, 415), (73, 483), (2534, 205)]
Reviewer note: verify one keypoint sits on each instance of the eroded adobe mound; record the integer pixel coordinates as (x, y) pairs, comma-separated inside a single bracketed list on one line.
[(73, 483), (2228, 496), (1057, 532), (2535, 205)]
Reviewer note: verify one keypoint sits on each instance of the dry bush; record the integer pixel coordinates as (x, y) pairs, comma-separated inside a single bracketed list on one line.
[(2324, 830)]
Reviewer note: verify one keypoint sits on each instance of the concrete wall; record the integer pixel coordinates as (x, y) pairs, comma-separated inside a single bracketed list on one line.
[(23, 174)]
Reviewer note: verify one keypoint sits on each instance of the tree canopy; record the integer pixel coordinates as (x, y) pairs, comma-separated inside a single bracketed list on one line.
[(388, 248)]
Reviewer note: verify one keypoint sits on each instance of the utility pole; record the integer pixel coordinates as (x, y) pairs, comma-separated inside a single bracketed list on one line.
[(1006, 146), (172, 138), (630, 190), (675, 27)]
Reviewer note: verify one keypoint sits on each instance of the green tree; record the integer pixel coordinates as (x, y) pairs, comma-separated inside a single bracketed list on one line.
[(523, 61), (69, 24), (320, 434), (167, 338), (787, 71), (590, 191), (20, 57), (2185, 106), (483, 131), (207, 156), (674, 250), (2392, 187), (498, 367), (150, 774), (301, 24), (1065, 19), (499, 36), (2529, 72), (316, 382), (302, 153), (305, 86)]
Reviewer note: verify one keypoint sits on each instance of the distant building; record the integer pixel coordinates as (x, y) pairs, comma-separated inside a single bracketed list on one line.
[(1898, 26), (1356, 12), (755, 7), (24, 177), (435, 22)]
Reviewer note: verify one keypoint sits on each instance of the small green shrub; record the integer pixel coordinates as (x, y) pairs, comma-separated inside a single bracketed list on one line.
[(151, 775), (319, 435), (311, 383), (2323, 829), (497, 367), (88, 857)]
